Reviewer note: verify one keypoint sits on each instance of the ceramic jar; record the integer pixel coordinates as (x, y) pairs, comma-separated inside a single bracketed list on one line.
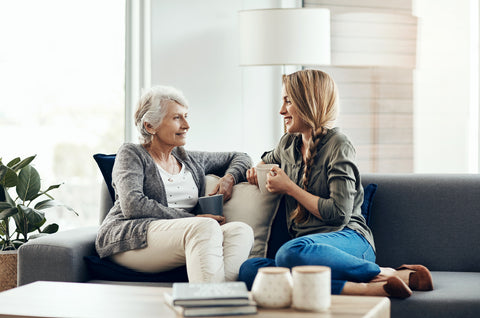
[(311, 288), (272, 287)]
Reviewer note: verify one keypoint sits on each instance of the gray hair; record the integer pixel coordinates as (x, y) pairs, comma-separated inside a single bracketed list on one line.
[(151, 108)]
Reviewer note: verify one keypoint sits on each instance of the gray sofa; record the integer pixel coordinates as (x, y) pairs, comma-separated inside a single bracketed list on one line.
[(430, 219)]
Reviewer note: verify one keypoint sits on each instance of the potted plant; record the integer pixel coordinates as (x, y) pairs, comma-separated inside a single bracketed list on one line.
[(22, 205)]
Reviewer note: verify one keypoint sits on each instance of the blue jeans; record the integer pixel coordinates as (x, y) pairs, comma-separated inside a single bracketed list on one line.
[(347, 253)]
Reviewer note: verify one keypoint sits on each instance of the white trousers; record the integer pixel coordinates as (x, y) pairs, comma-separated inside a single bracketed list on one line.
[(212, 253)]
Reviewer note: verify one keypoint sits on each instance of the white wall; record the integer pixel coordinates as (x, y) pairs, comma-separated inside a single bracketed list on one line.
[(195, 47)]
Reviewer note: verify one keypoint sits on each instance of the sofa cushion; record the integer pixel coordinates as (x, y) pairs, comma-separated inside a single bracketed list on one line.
[(426, 219), (250, 206), (368, 194), (455, 294), (105, 163), (105, 269)]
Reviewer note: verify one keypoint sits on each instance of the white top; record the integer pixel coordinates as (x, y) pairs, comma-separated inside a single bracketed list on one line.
[(182, 192)]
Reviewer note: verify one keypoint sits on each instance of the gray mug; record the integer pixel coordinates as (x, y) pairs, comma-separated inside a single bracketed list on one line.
[(211, 204)]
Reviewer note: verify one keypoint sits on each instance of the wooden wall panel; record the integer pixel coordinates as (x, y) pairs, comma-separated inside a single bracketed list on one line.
[(373, 58)]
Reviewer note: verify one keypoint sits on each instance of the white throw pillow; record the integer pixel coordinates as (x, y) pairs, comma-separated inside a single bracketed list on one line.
[(250, 206)]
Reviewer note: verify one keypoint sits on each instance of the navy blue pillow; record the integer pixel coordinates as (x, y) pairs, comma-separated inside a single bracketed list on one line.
[(368, 194), (105, 269), (105, 163)]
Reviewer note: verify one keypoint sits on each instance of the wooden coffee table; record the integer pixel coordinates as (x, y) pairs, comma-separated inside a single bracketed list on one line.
[(59, 299)]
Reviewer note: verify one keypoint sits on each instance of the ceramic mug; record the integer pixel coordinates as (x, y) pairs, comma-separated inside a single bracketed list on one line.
[(272, 287), (262, 172), (211, 204), (311, 288)]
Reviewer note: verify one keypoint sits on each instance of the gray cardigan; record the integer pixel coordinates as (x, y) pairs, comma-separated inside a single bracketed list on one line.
[(140, 196)]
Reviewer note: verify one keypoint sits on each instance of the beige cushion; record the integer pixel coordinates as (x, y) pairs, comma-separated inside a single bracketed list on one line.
[(252, 207)]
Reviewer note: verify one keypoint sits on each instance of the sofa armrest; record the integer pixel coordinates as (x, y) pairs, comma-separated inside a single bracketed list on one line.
[(57, 257)]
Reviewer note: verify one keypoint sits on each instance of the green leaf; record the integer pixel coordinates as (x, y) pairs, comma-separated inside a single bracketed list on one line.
[(51, 228), (52, 203), (3, 198), (35, 219), (47, 204), (55, 186), (10, 178), (3, 171), (28, 219), (7, 212), (13, 162), (6, 197), (28, 183), (25, 162), (20, 221), (5, 205)]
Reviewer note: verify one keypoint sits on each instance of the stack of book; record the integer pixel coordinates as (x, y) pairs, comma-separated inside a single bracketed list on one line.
[(211, 299)]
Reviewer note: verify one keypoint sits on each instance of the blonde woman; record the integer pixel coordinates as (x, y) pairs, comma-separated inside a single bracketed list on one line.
[(153, 225), (323, 197)]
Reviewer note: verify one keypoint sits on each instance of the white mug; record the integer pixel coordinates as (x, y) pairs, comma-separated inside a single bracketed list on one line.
[(272, 287), (311, 288), (262, 171)]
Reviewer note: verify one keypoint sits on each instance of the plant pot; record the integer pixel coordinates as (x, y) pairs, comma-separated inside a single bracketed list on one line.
[(8, 270)]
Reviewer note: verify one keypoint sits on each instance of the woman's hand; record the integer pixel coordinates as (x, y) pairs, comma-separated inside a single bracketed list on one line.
[(225, 187), (219, 218), (252, 176), (278, 181)]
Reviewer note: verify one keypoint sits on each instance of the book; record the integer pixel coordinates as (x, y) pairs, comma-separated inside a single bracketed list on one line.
[(210, 294), (206, 311)]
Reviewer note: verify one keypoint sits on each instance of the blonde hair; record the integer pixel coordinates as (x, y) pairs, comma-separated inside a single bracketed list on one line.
[(151, 108), (315, 96)]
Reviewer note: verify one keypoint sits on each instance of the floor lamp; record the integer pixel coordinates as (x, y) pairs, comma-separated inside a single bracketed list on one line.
[(299, 36)]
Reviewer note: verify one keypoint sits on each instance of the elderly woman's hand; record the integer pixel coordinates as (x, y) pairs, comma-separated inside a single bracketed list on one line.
[(225, 187)]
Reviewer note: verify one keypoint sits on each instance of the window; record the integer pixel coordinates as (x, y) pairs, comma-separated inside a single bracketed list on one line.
[(62, 94)]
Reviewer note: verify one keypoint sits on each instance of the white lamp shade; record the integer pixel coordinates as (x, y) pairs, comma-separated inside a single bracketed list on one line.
[(285, 37)]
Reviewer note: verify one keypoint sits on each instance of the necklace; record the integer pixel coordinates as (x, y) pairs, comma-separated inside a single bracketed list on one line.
[(170, 179), (169, 175), (169, 167), (174, 169)]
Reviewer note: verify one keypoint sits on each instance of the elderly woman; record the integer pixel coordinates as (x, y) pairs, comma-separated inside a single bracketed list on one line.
[(153, 225)]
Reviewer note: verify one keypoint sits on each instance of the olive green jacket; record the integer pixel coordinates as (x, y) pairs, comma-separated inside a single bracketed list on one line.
[(334, 178)]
